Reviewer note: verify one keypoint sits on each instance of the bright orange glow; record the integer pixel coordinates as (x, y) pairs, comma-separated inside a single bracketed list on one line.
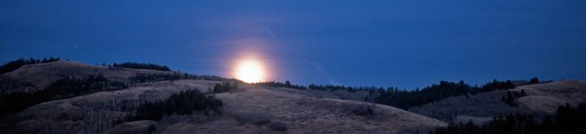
[(250, 71)]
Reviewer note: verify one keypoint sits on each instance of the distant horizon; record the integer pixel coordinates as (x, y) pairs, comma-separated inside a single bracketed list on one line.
[(301, 84)]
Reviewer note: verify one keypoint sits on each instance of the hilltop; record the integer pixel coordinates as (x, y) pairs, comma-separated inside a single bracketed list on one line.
[(540, 99)]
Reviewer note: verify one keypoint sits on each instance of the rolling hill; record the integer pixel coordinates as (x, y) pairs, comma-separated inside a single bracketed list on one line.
[(246, 109)]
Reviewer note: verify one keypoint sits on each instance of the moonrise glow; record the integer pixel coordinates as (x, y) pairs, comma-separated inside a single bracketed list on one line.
[(250, 71)]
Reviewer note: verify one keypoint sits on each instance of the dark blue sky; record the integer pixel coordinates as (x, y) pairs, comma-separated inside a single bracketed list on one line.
[(403, 43)]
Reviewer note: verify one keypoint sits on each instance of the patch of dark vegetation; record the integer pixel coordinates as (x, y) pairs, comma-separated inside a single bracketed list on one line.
[(224, 87), (280, 84), (182, 103), (152, 129), (278, 126), (65, 87), (135, 65), (364, 110), (511, 96), (567, 120), (13, 65), (142, 77)]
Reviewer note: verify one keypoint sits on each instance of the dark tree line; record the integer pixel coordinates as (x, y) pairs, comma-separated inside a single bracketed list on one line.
[(141, 66), (280, 84), (64, 87), (337, 87), (567, 120), (142, 77), (316, 86), (182, 103), (494, 85), (405, 99), (13, 65)]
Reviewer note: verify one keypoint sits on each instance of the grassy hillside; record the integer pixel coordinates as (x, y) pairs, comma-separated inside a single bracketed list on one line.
[(245, 108)]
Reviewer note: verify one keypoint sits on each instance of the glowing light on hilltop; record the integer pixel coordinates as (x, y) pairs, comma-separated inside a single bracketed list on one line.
[(250, 71)]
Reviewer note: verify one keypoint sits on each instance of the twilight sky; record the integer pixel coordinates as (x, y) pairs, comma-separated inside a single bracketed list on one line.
[(403, 43)]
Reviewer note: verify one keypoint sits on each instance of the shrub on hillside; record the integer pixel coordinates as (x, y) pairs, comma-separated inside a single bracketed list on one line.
[(534, 80), (224, 87)]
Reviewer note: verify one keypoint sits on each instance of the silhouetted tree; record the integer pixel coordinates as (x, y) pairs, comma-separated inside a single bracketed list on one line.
[(534, 80), (224, 87)]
